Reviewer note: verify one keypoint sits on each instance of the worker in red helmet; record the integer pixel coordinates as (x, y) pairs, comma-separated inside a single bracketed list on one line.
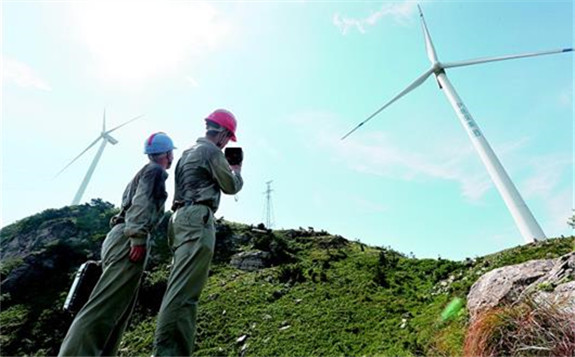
[(99, 325), (202, 174)]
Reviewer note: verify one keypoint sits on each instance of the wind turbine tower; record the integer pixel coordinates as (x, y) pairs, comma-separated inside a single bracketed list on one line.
[(106, 138), (524, 219)]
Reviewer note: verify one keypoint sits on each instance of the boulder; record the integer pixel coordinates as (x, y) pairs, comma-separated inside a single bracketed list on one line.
[(251, 261), (558, 286), (504, 285), (549, 280)]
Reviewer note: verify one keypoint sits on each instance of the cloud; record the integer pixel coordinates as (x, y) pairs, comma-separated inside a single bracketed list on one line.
[(22, 75), (547, 173), (400, 12), (367, 205), (192, 81), (566, 98), (559, 207), (546, 180), (377, 153)]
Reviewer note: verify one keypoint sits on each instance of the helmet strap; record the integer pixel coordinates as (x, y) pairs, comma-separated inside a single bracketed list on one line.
[(221, 138)]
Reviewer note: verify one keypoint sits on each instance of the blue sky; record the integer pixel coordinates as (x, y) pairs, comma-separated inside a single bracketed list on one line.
[(298, 76)]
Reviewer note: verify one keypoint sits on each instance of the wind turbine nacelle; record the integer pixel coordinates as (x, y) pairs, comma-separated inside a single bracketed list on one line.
[(109, 138)]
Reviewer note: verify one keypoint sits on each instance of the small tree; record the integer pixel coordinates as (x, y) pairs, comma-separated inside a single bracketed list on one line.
[(571, 220)]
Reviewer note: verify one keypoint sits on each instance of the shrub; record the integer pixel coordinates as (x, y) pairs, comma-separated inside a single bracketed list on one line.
[(530, 328), (291, 273)]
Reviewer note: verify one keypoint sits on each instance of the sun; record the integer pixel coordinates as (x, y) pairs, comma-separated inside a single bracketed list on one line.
[(134, 41)]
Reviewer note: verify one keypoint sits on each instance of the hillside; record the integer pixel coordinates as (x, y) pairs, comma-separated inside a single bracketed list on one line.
[(316, 294)]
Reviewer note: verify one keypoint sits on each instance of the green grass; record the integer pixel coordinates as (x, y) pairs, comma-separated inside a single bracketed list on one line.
[(321, 296)]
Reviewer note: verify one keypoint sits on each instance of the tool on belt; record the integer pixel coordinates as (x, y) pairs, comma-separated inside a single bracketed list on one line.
[(86, 278), (235, 156)]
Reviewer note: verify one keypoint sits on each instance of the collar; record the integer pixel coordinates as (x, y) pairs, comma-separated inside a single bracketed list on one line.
[(204, 140)]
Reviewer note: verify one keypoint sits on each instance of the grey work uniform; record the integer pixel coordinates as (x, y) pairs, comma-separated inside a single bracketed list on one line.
[(201, 174), (99, 325)]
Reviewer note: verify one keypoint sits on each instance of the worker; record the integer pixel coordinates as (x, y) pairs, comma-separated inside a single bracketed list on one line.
[(99, 325), (202, 173)]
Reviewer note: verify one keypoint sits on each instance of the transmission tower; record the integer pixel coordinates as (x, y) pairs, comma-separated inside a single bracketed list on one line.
[(269, 214)]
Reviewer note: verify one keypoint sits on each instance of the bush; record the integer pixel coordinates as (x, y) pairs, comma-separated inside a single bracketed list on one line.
[(291, 273), (530, 328)]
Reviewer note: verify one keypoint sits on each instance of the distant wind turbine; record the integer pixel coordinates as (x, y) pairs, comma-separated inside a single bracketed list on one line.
[(524, 219), (106, 138)]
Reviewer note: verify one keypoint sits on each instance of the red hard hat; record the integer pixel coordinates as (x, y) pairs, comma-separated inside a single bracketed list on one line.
[(226, 119)]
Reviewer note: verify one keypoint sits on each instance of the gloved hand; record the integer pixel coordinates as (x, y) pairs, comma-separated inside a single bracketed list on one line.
[(137, 253)]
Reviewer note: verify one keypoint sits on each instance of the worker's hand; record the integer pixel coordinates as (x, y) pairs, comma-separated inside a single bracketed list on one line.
[(236, 168), (137, 253)]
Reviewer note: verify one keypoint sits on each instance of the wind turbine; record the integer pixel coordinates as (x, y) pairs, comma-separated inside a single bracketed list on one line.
[(524, 219), (106, 138)]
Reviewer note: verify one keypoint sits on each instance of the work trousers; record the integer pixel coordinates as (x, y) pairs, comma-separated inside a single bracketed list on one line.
[(99, 325), (192, 236)]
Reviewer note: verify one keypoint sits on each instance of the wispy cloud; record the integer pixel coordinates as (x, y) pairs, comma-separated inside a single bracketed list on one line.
[(566, 98), (559, 207), (378, 154), (546, 174), (400, 12), (192, 81), (367, 205), (22, 75)]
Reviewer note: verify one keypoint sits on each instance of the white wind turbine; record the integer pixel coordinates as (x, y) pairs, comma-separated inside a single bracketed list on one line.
[(106, 138), (526, 223)]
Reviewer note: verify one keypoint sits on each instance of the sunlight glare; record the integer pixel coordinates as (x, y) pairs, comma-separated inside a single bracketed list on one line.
[(134, 41)]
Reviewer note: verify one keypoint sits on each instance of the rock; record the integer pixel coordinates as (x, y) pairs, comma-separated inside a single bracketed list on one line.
[(549, 281), (23, 245), (504, 284), (243, 350), (560, 282), (251, 261)]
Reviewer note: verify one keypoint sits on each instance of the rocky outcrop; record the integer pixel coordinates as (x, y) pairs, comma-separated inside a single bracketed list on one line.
[(558, 286), (45, 234), (251, 261), (548, 279)]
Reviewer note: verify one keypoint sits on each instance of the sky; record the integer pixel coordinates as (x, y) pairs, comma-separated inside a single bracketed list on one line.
[(298, 75)]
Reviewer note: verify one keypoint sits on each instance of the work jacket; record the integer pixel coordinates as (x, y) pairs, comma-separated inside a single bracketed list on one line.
[(143, 202), (202, 173)]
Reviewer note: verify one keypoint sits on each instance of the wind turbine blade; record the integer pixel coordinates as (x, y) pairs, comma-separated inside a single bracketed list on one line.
[(126, 123), (82, 153), (431, 54), (409, 88), (502, 58)]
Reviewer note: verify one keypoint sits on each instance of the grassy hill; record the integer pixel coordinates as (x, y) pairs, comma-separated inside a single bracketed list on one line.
[(321, 294)]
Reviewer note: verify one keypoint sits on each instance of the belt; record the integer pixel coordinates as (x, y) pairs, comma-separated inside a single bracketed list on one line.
[(179, 204)]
